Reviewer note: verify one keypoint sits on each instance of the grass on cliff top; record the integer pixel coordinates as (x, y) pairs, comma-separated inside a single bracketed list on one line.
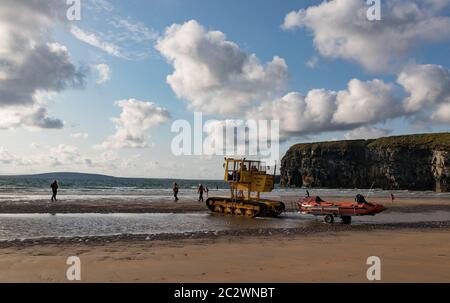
[(333, 145), (438, 140)]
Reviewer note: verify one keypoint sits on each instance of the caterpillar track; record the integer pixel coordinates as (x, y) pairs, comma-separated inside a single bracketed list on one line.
[(248, 208), (247, 180)]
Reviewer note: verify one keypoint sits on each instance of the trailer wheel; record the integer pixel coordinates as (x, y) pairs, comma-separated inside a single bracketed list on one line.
[(346, 220), (329, 219)]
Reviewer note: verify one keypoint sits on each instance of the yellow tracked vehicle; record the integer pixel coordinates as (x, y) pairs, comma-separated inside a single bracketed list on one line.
[(247, 180)]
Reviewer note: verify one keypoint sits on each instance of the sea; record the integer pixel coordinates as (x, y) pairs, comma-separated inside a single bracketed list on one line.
[(97, 184), (75, 186)]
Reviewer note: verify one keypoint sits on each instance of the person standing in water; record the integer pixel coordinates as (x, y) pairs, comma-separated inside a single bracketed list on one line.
[(201, 189), (54, 187), (175, 191)]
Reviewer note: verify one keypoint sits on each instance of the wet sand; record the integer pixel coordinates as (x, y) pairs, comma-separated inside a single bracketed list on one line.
[(104, 205), (407, 256), (316, 252), (191, 205)]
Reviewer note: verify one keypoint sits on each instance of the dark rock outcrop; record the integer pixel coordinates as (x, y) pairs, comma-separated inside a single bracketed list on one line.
[(416, 162)]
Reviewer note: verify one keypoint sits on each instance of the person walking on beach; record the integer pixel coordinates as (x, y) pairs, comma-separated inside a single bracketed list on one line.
[(201, 189), (207, 191), (392, 198), (54, 187), (175, 191)]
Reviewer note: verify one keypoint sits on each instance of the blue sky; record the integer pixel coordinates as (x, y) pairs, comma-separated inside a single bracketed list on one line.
[(255, 27)]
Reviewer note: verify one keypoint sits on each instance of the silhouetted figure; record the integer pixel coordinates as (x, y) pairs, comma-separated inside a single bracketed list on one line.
[(307, 193), (207, 191), (54, 187), (360, 199), (392, 198), (175, 191), (201, 189)]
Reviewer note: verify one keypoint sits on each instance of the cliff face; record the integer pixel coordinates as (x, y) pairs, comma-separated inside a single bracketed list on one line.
[(417, 162)]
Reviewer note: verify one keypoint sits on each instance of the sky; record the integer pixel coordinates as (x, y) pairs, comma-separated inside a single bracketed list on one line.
[(100, 94)]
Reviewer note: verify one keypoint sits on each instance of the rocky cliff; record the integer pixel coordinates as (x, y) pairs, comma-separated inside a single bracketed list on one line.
[(416, 162)]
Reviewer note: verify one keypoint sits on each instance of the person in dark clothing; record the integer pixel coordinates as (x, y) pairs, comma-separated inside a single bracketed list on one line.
[(360, 199), (175, 191), (307, 193), (392, 198), (54, 187), (201, 189)]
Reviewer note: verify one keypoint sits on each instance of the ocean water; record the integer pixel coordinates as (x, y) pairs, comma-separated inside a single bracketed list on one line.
[(96, 187), (98, 184), (87, 187)]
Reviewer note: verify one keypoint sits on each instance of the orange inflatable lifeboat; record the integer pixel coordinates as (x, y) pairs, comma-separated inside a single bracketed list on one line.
[(345, 210)]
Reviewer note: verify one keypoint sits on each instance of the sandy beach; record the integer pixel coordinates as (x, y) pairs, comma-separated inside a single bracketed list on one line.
[(314, 252), (406, 255), (189, 204)]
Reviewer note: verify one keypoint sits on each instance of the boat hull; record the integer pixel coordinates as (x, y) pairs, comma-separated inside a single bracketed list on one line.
[(341, 209)]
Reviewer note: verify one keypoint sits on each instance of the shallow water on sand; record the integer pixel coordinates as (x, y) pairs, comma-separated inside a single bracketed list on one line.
[(394, 217), (30, 195), (79, 225), (26, 226)]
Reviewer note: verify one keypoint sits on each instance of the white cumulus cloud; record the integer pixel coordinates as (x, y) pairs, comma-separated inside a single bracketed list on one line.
[(366, 102), (367, 133), (31, 63), (428, 87), (213, 74), (362, 103), (104, 73), (136, 118), (442, 114), (33, 117), (341, 29)]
